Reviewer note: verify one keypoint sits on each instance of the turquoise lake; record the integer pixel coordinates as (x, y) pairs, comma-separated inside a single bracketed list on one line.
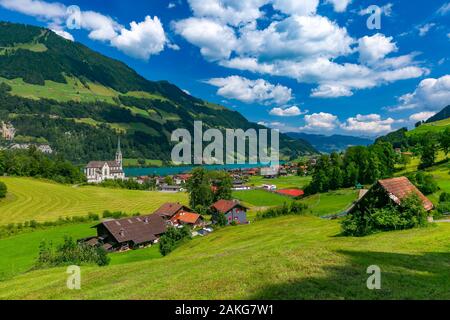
[(165, 171)]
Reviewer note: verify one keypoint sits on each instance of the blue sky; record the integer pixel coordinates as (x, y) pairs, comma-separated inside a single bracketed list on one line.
[(310, 65)]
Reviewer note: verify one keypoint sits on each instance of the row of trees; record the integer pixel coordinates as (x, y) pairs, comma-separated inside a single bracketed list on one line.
[(428, 145), (33, 163), (359, 164), (206, 187)]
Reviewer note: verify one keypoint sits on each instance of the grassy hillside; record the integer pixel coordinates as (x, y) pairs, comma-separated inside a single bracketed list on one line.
[(43, 201), (436, 127), (283, 258)]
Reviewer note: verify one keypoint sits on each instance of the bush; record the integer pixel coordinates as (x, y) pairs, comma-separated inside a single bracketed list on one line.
[(409, 214), (294, 208), (172, 238), (70, 253), (3, 189), (424, 182), (444, 197)]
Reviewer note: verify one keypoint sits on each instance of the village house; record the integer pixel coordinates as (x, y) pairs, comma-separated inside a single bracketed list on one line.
[(168, 210), (129, 233), (232, 210), (191, 219), (390, 191), (8, 131), (269, 172), (44, 148), (99, 171), (169, 188)]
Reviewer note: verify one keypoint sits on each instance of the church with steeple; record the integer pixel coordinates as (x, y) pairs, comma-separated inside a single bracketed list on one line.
[(99, 171)]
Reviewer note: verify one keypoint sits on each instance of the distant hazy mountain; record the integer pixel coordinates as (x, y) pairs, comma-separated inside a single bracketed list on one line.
[(331, 143)]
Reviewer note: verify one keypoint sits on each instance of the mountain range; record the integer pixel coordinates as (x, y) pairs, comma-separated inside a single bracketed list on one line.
[(61, 92), (331, 143)]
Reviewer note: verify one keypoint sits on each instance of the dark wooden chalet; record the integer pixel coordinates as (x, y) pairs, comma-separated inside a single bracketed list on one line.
[(128, 233)]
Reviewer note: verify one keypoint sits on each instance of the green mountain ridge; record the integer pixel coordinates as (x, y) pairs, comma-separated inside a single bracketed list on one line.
[(78, 100), (403, 137)]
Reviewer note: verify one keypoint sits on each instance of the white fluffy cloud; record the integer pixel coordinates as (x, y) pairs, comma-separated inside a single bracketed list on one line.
[(36, 8), (444, 9), (251, 91), (301, 8), (371, 124), (300, 44), (331, 91), (215, 40), (340, 5), (421, 116), (286, 112), (320, 122), (423, 30), (66, 35), (431, 94), (141, 40), (374, 48), (233, 12)]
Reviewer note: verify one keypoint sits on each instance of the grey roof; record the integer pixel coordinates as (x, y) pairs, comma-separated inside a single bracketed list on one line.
[(136, 229)]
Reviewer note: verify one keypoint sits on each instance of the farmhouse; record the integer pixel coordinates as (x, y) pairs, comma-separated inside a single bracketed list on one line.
[(99, 171), (390, 191), (168, 210), (232, 210), (187, 218), (128, 233)]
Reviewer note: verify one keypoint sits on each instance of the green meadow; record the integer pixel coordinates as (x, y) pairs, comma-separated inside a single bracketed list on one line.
[(32, 199), (283, 258)]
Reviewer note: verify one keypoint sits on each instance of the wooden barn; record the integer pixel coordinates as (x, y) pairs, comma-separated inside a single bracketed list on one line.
[(390, 191)]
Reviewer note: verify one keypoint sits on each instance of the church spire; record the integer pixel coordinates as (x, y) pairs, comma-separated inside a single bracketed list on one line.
[(119, 153)]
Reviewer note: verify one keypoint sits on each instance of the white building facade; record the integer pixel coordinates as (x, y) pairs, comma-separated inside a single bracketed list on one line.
[(99, 171)]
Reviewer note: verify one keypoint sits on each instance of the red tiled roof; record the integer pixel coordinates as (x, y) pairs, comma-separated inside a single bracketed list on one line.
[(291, 192), (170, 209), (401, 188), (223, 206), (186, 217)]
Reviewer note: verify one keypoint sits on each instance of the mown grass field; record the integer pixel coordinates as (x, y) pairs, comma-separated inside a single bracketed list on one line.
[(29, 199), (281, 182), (261, 198), (284, 258), (329, 203)]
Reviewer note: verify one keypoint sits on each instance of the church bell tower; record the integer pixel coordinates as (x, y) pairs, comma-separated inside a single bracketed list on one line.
[(119, 159)]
